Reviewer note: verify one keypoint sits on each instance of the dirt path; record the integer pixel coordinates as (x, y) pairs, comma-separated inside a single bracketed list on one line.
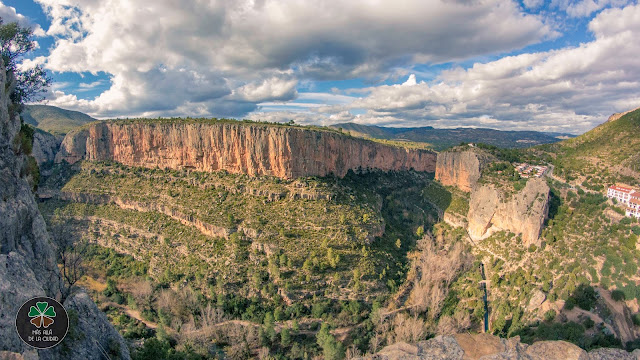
[(622, 322), (133, 314), (340, 333), (575, 313)]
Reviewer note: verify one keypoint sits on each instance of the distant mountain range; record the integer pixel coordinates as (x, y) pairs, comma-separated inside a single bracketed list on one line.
[(444, 138), (54, 119)]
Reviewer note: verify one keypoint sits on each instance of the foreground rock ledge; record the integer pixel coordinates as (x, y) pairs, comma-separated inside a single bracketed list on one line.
[(486, 346)]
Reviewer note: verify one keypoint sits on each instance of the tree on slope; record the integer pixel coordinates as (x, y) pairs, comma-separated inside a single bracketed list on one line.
[(29, 83)]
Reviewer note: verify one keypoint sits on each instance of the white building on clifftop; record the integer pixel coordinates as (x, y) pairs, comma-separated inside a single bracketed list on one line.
[(622, 193), (626, 196)]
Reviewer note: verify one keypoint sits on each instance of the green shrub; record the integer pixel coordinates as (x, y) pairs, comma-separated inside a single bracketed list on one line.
[(550, 315), (32, 169), (331, 348), (584, 296), (588, 323), (617, 295), (24, 139)]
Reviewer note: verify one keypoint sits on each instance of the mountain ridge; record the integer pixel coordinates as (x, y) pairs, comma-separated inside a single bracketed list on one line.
[(53, 119), (441, 139)]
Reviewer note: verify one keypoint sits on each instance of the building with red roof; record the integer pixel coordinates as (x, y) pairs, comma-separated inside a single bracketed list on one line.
[(622, 193)]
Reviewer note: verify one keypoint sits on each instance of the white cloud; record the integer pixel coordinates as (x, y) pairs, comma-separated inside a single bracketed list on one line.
[(273, 89), (584, 8), (9, 15), (248, 51), (533, 4), (92, 85), (568, 90)]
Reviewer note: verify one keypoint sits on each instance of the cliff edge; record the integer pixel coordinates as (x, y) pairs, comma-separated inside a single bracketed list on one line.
[(247, 148), (461, 169), (27, 259), (523, 213), (616, 116)]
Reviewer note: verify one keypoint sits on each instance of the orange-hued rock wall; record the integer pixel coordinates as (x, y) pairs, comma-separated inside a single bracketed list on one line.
[(247, 148), (523, 213), (461, 169)]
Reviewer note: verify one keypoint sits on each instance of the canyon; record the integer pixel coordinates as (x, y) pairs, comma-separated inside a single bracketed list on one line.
[(237, 147), (288, 152)]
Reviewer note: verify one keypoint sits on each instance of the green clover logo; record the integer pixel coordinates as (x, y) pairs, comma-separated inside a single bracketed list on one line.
[(42, 314)]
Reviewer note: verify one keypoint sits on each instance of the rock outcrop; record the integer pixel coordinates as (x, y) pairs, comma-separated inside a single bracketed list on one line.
[(523, 213), (247, 148), (27, 259), (617, 116), (461, 169), (45, 146), (486, 347)]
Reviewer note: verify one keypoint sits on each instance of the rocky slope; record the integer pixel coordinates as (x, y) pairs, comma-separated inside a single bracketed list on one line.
[(605, 155), (53, 119), (27, 258), (45, 146), (461, 169), (253, 149), (617, 116), (523, 213), (485, 347)]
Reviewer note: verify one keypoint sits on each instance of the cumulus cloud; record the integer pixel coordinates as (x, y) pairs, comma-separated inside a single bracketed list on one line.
[(260, 49), (583, 8), (273, 89), (9, 15), (568, 90), (533, 4)]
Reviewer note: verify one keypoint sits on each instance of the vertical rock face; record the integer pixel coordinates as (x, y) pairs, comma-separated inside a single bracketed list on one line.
[(523, 213), (45, 146), (253, 149), (461, 169), (27, 259)]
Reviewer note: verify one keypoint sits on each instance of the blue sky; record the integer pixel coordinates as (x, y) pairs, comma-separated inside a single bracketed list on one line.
[(560, 65)]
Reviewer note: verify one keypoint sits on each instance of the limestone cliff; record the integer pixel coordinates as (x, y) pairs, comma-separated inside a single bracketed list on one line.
[(461, 169), (248, 148), (27, 259), (523, 213), (45, 146), (486, 346)]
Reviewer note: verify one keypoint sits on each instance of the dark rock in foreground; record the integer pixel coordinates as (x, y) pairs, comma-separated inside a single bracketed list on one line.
[(490, 347)]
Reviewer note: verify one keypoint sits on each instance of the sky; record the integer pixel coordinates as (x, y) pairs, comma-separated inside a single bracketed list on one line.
[(556, 66)]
